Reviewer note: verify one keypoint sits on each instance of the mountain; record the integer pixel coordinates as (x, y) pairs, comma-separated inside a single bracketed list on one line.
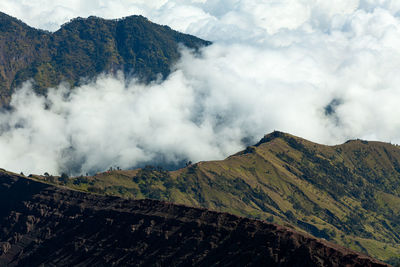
[(43, 225), (84, 48), (348, 194)]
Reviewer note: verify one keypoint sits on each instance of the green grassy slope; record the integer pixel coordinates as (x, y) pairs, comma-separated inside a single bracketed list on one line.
[(84, 48), (349, 194)]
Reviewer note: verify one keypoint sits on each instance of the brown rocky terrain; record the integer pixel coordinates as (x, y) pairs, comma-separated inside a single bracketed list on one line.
[(47, 225)]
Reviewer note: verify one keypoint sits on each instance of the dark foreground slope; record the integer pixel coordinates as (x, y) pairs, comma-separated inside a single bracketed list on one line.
[(42, 224), (84, 48)]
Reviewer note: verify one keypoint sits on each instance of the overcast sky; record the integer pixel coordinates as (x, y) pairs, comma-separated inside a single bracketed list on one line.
[(327, 71)]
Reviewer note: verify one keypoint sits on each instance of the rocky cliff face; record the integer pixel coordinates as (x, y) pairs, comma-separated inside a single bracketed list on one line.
[(43, 224)]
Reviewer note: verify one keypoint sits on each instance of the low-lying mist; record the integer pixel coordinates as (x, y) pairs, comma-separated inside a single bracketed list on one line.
[(208, 108), (328, 73)]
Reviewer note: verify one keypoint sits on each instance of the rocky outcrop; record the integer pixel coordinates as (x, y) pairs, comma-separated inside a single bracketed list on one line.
[(43, 224)]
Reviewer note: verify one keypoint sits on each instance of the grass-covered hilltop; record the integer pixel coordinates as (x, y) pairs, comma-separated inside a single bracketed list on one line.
[(348, 194), (84, 48)]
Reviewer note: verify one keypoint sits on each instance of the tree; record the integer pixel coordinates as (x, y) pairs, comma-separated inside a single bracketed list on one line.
[(64, 177)]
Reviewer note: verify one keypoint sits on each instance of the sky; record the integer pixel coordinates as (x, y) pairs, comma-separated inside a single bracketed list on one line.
[(327, 71)]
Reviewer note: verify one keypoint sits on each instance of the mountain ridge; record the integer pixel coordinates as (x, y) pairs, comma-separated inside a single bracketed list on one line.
[(348, 193), (84, 48)]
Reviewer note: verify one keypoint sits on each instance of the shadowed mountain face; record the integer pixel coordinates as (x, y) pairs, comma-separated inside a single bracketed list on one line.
[(84, 48), (42, 224)]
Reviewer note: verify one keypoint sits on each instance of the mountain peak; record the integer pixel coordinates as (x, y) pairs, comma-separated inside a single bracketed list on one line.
[(287, 138), (274, 135), (84, 48)]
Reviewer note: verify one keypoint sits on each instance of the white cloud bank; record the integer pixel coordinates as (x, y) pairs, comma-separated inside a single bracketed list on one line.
[(324, 71)]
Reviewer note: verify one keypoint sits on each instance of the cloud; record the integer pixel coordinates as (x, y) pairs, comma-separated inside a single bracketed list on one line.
[(324, 72)]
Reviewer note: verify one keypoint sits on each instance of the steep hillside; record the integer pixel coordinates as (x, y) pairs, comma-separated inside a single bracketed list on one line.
[(46, 225), (349, 194), (84, 48)]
